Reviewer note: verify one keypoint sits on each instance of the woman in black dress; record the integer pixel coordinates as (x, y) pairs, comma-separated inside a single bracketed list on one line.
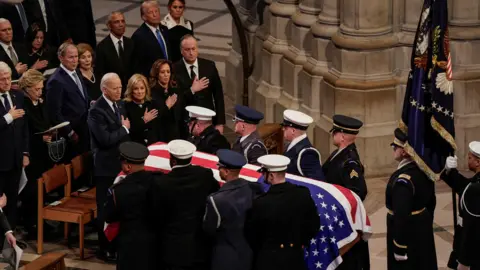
[(85, 63), (31, 83), (177, 26), (169, 101), (40, 55), (140, 110)]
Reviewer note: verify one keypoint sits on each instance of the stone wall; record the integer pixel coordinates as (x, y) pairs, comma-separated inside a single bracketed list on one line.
[(327, 57)]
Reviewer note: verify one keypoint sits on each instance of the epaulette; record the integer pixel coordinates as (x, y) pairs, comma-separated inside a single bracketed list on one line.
[(406, 179), (405, 176)]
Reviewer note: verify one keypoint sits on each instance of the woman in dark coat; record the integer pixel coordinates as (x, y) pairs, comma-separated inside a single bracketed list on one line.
[(177, 26), (169, 101), (41, 56), (85, 64), (31, 83), (140, 111)]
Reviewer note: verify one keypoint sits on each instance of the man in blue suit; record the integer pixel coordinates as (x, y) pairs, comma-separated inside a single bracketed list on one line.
[(67, 100), (305, 159), (13, 141), (109, 128), (150, 39)]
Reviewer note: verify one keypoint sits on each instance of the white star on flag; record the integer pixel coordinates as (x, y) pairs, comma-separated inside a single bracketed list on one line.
[(333, 240), (324, 239), (313, 241), (330, 227), (334, 208), (335, 218), (325, 250), (315, 253), (341, 224), (318, 265), (324, 205), (327, 216), (320, 195), (321, 227)]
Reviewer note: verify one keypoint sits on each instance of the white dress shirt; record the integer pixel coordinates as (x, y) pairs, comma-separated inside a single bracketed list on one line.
[(110, 103), (115, 41), (296, 140), (5, 47), (8, 117), (154, 31), (44, 13)]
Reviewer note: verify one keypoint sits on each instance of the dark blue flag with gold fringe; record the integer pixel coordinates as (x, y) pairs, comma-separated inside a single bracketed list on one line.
[(427, 115)]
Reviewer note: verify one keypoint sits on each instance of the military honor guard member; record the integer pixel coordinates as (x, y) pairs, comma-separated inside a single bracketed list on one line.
[(249, 143), (282, 221), (127, 203), (226, 212), (306, 160), (178, 203), (409, 192), (205, 137), (467, 235), (343, 167)]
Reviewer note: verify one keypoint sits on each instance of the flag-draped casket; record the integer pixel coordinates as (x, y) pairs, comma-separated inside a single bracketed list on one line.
[(342, 215)]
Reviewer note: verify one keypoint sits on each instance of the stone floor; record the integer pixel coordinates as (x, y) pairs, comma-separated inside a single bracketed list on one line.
[(213, 27)]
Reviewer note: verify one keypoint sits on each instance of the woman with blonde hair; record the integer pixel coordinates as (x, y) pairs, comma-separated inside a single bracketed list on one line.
[(36, 115), (86, 65), (140, 110)]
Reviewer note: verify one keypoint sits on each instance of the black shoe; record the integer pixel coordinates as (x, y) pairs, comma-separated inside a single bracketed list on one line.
[(107, 256)]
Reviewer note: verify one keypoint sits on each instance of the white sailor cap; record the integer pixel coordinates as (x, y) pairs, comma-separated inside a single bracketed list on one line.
[(474, 148), (200, 113), (296, 119), (181, 149), (273, 163)]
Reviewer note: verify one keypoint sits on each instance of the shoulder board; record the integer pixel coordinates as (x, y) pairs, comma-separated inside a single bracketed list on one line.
[(405, 176)]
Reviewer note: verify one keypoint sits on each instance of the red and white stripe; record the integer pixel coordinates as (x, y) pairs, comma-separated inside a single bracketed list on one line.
[(449, 68)]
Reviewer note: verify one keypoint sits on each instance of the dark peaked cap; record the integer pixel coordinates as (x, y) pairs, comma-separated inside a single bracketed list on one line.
[(346, 124), (247, 115), (133, 152), (230, 159), (400, 138)]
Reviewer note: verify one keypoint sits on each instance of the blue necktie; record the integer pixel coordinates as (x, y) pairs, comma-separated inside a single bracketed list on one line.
[(162, 45), (23, 16)]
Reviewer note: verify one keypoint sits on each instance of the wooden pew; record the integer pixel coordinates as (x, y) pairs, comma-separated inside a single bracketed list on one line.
[(50, 261)]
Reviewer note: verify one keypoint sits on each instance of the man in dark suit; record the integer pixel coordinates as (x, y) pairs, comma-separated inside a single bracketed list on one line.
[(201, 77), (109, 129), (45, 12), (76, 21), (151, 41), (306, 160), (67, 100), (115, 52), (13, 141), (15, 13), (178, 206), (5, 225), (14, 54)]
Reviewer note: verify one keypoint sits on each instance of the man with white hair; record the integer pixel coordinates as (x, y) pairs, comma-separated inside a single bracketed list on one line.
[(13, 141), (466, 235), (15, 12), (109, 128), (14, 54)]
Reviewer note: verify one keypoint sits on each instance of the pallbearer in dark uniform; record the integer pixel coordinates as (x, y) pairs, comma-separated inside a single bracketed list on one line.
[(204, 136), (467, 234), (282, 221), (343, 167), (306, 160), (178, 203), (127, 203), (226, 212), (410, 241), (249, 143)]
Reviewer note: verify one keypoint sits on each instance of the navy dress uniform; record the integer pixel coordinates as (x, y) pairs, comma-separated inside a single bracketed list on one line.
[(210, 140), (343, 167), (467, 235), (251, 145), (281, 222), (225, 216), (127, 203), (409, 193), (305, 159)]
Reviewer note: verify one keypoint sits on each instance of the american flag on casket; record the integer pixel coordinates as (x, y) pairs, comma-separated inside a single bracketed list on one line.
[(341, 212)]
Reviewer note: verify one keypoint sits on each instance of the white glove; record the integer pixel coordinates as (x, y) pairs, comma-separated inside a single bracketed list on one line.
[(451, 163), (462, 267), (400, 257)]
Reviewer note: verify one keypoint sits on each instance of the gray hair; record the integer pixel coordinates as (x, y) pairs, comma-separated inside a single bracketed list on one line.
[(3, 20), (114, 13), (5, 68), (107, 77), (185, 37), (63, 48), (148, 3)]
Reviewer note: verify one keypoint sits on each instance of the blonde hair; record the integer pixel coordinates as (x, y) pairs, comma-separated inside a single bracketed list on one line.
[(30, 78), (84, 47), (136, 78)]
